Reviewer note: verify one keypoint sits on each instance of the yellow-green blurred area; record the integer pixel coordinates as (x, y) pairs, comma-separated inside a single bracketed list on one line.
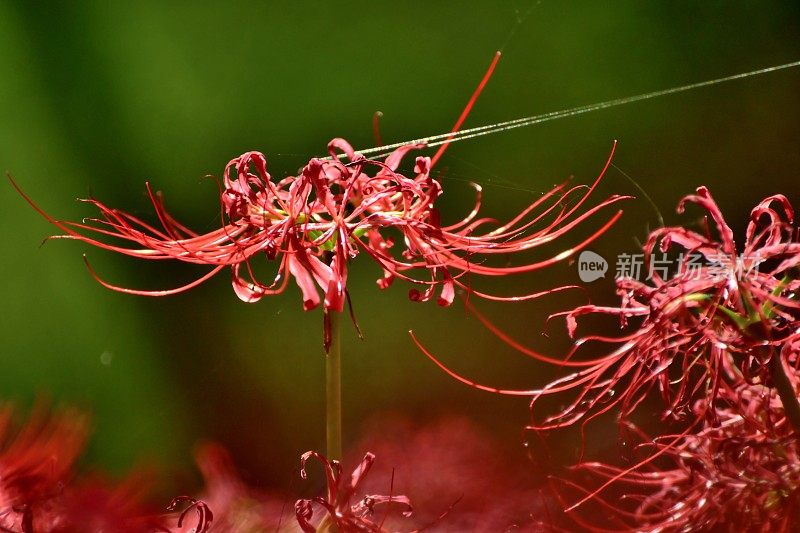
[(97, 98)]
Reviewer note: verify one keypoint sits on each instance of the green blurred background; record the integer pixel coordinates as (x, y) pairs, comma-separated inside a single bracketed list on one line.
[(99, 97)]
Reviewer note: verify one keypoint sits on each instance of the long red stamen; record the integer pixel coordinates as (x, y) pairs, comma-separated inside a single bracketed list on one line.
[(467, 109)]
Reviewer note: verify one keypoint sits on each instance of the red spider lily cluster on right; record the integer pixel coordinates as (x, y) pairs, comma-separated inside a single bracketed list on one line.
[(716, 341)]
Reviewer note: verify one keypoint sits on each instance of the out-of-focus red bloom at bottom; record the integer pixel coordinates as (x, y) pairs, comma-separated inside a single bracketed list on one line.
[(40, 491), (227, 504), (451, 471), (742, 474), (462, 483), (459, 477), (95, 504), (35, 462)]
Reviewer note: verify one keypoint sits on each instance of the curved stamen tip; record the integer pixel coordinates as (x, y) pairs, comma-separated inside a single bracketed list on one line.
[(137, 292), (464, 380)]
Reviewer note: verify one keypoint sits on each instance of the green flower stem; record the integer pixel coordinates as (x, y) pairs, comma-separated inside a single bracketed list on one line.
[(786, 391), (333, 390)]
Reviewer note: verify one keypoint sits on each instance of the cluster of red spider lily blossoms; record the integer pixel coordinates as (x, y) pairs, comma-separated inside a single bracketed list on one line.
[(716, 338), (311, 225), (725, 316)]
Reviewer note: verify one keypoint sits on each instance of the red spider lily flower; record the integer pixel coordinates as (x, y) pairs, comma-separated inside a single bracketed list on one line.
[(36, 462), (742, 474), (718, 320), (227, 503), (721, 318), (40, 490), (311, 225), (342, 513)]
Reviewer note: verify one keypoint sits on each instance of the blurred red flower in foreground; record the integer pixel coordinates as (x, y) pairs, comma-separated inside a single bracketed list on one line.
[(40, 490), (227, 503), (35, 462)]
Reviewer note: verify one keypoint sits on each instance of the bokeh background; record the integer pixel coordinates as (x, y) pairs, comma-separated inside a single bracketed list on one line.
[(97, 97)]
